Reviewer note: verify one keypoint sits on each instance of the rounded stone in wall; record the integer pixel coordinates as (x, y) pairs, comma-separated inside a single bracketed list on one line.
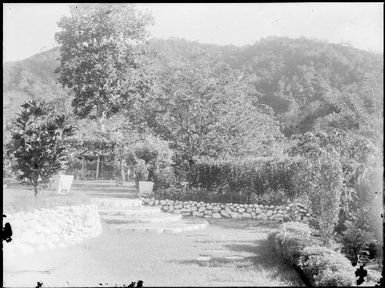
[(258, 210), (216, 209), (228, 210), (246, 215), (224, 213), (269, 213), (262, 216), (197, 214), (277, 217)]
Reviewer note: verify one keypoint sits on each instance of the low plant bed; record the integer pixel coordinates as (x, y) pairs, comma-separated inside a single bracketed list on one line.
[(317, 264)]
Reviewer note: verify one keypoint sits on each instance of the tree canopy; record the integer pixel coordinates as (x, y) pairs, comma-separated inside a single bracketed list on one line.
[(205, 109), (102, 53)]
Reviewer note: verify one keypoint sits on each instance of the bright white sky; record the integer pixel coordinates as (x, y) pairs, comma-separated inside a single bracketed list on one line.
[(30, 28)]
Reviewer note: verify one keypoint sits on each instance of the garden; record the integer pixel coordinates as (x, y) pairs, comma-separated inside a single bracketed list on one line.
[(203, 134)]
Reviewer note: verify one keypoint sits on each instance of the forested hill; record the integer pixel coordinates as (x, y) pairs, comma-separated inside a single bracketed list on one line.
[(301, 80)]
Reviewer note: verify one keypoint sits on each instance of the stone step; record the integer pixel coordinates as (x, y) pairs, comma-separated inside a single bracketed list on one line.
[(159, 218), (131, 211), (186, 224), (112, 195), (116, 202)]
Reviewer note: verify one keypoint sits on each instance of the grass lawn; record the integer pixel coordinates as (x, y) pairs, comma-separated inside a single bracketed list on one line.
[(18, 198), (224, 254)]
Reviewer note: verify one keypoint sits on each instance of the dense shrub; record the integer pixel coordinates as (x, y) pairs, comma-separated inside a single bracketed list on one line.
[(141, 170), (320, 265), (320, 177), (325, 267), (246, 180), (370, 203), (298, 228), (357, 241), (152, 160), (163, 177), (291, 240), (271, 197)]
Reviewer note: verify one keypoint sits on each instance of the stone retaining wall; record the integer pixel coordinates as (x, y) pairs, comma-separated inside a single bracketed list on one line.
[(291, 212), (46, 229)]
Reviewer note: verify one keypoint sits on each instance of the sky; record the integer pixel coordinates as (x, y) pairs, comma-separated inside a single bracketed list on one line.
[(30, 28)]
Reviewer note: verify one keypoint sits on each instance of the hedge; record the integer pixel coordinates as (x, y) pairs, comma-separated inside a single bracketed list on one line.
[(241, 180), (319, 265), (326, 267)]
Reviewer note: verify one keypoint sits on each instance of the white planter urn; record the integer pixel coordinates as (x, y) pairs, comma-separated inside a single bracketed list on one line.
[(145, 187)]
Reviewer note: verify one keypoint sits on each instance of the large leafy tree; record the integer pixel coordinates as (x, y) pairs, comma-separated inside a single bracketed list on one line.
[(38, 142), (204, 108), (103, 61), (102, 53)]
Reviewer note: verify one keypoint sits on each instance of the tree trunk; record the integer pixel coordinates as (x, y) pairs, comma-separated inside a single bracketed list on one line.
[(101, 168), (35, 185), (97, 168), (121, 171), (83, 168)]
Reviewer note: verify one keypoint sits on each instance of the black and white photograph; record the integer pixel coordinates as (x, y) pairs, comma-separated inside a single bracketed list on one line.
[(193, 144)]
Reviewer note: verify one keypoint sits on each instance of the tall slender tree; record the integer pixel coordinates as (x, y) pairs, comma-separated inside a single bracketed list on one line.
[(103, 59)]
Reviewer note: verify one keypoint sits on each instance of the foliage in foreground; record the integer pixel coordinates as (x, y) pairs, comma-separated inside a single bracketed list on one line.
[(326, 267), (321, 266), (358, 242), (320, 179)]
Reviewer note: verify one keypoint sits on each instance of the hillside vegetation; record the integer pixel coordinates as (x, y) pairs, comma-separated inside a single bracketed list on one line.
[(300, 81)]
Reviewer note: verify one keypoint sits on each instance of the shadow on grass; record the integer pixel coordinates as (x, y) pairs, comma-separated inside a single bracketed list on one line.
[(262, 226), (112, 195), (263, 260), (220, 241)]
